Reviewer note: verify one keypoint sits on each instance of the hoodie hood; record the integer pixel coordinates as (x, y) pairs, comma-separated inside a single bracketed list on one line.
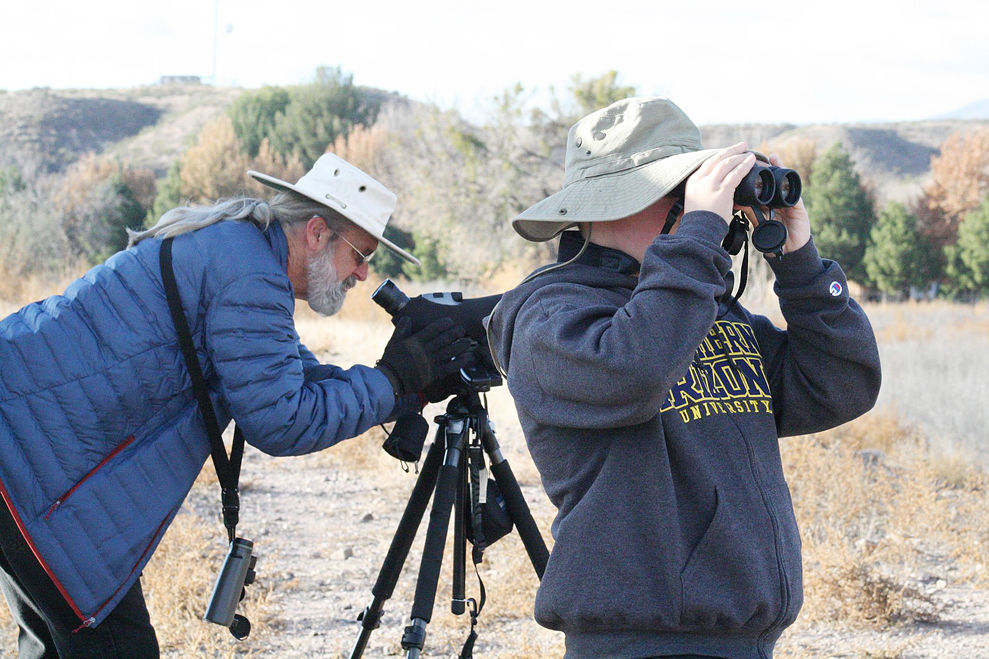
[(501, 323)]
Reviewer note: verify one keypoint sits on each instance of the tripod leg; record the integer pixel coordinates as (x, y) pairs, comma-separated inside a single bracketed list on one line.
[(457, 604), (515, 502), (391, 568), (439, 523)]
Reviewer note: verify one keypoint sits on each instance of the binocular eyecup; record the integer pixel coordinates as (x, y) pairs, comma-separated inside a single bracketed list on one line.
[(770, 186)]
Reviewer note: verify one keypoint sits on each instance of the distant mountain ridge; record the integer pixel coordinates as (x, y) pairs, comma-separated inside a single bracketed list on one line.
[(892, 159), (975, 110), (151, 127)]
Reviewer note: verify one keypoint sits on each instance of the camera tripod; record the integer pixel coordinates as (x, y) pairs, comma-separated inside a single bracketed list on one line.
[(463, 428)]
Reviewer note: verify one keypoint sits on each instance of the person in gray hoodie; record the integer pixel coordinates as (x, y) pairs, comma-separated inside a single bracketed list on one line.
[(652, 401)]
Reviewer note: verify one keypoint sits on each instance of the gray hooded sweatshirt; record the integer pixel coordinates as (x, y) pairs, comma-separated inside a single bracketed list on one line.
[(652, 413)]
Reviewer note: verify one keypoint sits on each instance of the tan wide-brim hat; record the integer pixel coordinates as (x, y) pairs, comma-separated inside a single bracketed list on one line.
[(349, 191), (619, 160)]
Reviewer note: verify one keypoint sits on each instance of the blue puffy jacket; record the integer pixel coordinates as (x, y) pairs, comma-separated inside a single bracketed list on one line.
[(100, 435)]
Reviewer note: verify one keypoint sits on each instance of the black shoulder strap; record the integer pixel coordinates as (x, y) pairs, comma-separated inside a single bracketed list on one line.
[(227, 470)]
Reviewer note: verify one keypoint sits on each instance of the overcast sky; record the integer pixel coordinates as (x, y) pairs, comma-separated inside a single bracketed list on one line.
[(721, 61)]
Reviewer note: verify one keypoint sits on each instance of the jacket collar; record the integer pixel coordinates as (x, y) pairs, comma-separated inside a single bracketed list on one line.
[(279, 243), (595, 255)]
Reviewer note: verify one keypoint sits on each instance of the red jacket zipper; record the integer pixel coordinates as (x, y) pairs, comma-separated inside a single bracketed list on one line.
[(144, 553), (59, 501), (86, 620)]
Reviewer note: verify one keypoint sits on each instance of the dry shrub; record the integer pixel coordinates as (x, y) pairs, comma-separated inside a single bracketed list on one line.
[(927, 321), (797, 153), (882, 430), (898, 321), (363, 454), (362, 147), (8, 632), (899, 324), (92, 170), (268, 162), (508, 275), (934, 359), (214, 166), (882, 529), (17, 289)]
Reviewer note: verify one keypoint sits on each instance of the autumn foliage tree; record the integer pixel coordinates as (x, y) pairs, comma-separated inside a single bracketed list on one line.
[(364, 147), (797, 153), (959, 182), (215, 167), (98, 200)]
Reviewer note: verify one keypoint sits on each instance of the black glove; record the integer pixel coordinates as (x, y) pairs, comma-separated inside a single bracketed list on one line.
[(411, 361)]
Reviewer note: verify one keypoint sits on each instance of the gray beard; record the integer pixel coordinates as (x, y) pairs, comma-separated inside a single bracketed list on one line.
[(325, 293)]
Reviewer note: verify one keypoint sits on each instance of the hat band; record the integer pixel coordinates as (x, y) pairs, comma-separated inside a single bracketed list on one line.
[(616, 165)]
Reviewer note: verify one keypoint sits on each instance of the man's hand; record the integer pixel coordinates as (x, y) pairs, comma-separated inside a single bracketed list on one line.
[(413, 360), (712, 186)]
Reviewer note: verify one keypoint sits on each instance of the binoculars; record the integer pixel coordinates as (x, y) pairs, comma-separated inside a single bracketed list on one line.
[(237, 572), (775, 187)]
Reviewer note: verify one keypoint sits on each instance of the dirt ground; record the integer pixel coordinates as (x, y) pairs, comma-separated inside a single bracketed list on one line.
[(323, 524)]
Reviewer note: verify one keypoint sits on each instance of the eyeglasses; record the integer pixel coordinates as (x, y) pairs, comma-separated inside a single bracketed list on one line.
[(362, 258)]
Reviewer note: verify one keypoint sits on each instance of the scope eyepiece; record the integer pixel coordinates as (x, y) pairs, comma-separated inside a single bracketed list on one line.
[(390, 297)]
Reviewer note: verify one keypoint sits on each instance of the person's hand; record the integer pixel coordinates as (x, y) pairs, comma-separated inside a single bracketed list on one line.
[(795, 219), (712, 186), (413, 360)]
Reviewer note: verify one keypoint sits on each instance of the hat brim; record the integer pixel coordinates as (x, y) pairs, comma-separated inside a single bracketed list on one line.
[(285, 186), (608, 197)]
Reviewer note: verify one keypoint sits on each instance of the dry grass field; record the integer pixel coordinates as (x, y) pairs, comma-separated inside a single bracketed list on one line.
[(892, 508)]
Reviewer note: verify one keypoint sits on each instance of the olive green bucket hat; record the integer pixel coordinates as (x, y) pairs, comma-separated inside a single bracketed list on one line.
[(619, 160)]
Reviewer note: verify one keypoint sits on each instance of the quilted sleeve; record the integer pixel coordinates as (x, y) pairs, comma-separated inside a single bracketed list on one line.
[(262, 374)]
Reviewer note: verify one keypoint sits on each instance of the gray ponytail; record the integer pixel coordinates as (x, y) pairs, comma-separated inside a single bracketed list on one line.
[(287, 207), (189, 218)]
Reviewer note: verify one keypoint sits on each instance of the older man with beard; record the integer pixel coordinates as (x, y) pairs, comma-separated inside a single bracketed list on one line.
[(101, 433)]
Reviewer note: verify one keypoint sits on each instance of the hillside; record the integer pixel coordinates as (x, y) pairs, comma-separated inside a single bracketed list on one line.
[(144, 126), (151, 126)]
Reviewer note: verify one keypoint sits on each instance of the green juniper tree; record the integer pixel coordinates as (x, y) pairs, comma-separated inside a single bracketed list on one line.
[(599, 92), (317, 113), (841, 214), (896, 256), (255, 114), (968, 259)]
